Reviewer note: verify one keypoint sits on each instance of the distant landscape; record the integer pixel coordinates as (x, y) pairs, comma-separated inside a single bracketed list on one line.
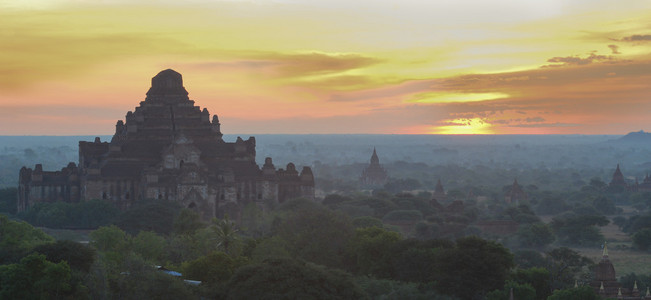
[(458, 161), (540, 242)]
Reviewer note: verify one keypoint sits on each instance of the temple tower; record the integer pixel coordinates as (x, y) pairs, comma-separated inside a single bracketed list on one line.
[(374, 175)]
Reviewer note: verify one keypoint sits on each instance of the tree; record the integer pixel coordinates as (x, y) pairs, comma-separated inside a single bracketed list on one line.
[(36, 278), (94, 213), (604, 205), (316, 234), (597, 183), (150, 246), (269, 248), (9, 200), (525, 259), (643, 281), (187, 222), (212, 268), (135, 279), (403, 216), (88, 214), (473, 267), (520, 291), (579, 293), (635, 223), (642, 239), (370, 251), (156, 216), (110, 238), (535, 235), (17, 238), (620, 221), (225, 234), (551, 205), (397, 290), (413, 261), (290, 279), (78, 256), (538, 278), (398, 185), (579, 230), (367, 221), (563, 265)]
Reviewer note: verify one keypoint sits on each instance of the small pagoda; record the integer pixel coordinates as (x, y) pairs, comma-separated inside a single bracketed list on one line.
[(374, 175)]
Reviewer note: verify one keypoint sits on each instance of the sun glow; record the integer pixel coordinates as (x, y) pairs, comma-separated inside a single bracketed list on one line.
[(464, 126), (442, 97)]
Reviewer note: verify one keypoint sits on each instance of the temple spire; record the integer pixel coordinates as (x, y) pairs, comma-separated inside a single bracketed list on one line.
[(374, 158), (439, 187)]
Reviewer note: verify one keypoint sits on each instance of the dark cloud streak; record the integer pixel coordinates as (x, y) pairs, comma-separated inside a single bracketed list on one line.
[(637, 38)]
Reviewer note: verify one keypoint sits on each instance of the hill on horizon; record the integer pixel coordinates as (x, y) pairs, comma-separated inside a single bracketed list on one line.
[(635, 137)]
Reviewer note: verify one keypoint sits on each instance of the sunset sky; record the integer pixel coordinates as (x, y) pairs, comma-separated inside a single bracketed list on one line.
[(72, 67)]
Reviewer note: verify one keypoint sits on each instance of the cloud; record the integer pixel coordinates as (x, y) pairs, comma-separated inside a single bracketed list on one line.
[(637, 38), (614, 48), (316, 70), (320, 63), (576, 60), (555, 124)]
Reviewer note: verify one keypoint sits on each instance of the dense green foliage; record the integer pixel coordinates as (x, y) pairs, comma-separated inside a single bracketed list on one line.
[(78, 256), (290, 279), (36, 278), (157, 216), (579, 230), (642, 239), (537, 235), (520, 291), (473, 267), (580, 293), (17, 238), (89, 214), (563, 265), (8, 200)]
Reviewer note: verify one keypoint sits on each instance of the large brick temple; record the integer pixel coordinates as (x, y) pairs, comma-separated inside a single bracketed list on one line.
[(168, 149)]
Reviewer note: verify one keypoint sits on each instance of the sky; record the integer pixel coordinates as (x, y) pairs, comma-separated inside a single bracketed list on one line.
[(75, 67)]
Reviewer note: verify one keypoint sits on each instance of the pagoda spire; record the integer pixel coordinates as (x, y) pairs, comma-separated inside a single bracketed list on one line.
[(374, 158), (439, 187)]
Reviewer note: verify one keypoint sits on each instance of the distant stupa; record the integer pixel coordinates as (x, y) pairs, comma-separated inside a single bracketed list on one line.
[(516, 194), (374, 175)]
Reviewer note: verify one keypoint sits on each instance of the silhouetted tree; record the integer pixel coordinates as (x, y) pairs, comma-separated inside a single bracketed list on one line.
[(289, 279)]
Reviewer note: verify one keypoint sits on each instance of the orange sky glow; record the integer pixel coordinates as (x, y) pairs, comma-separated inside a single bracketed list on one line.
[(75, 67)]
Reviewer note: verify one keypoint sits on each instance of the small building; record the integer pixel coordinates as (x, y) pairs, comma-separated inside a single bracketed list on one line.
[(605, 282), (439, 192), (374, 175), (515, 194), (618, 179)]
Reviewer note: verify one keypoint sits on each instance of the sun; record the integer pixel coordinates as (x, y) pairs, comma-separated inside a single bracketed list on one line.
[(464, 126)]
